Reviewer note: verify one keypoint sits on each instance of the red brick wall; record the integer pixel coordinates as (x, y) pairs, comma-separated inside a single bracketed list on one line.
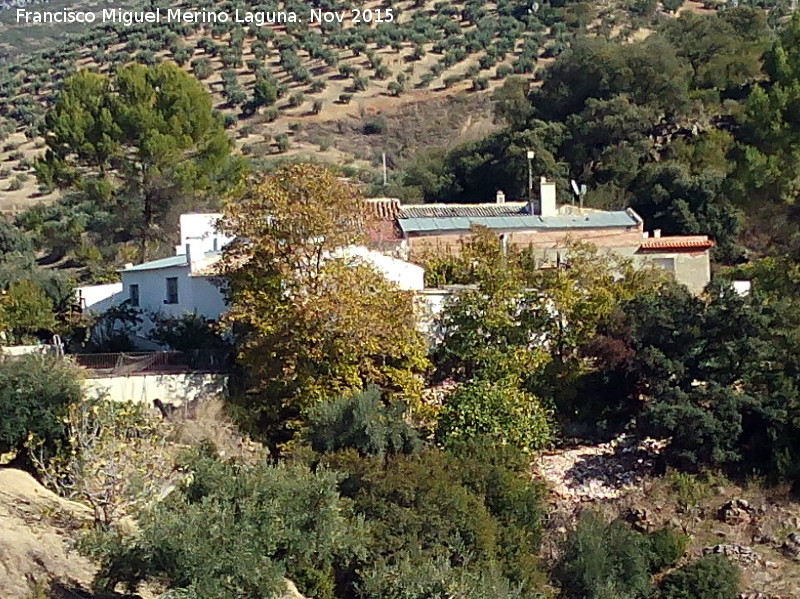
[(540, 240)]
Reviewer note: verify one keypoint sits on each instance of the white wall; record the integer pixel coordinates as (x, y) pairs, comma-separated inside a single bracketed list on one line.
[(99, 298), (201, 228), (169, 388), (195, 294), (407, 276)]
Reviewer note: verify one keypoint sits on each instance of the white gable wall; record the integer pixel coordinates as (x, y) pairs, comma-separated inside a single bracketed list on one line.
[(99, 298), (195, 294), (201, 231)]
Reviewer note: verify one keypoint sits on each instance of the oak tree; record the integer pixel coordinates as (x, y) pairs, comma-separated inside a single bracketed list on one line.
[(312, 322)]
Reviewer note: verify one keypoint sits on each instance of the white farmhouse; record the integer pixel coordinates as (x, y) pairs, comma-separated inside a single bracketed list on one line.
[(175, 286), (188, 282)]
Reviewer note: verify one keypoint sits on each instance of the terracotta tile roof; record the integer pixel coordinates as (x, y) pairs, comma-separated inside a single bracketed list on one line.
[(383, 208), (678, 242)]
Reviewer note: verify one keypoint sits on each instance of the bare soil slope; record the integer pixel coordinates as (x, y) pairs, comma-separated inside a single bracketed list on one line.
[(36, 528)]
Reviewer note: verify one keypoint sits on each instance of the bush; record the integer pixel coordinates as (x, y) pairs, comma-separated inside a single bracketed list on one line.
[(12, 239), (603, 560), (480, 84), (188, 332), (283, 142), (470, 510), (35, 392), (667, 547), (712, 577), (375, 126), (271, 114), (497, 410), (236, 531), (26, 312), (361, 422), (503, 71), (264, 92)]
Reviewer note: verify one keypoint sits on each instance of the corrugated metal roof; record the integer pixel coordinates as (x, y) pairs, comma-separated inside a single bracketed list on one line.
[(426, 224)]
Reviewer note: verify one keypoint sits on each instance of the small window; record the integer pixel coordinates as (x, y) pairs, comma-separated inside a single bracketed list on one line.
[(133, 295), (667, 264), (172, 290)]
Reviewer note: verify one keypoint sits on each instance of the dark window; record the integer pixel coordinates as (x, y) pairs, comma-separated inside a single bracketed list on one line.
[(133, 295), (172, 290)]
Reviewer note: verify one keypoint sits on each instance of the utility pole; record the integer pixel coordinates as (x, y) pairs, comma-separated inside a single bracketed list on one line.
[(385, 175)]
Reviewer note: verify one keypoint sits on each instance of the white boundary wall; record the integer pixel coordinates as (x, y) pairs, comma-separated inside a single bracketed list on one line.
[(169, 388)]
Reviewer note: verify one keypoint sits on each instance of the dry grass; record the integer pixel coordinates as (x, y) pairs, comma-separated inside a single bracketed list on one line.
[(210, 423)]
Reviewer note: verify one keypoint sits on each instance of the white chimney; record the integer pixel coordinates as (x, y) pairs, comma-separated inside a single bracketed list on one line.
[(547, 195), (656, 233), (501, 197), (194, 252)]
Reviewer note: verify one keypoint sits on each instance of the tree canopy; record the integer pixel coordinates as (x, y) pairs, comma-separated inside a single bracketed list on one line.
[(137, 148), (312, 322)]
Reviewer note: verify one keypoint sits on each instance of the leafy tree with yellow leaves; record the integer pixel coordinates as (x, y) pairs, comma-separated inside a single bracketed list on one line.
[(310, 322)]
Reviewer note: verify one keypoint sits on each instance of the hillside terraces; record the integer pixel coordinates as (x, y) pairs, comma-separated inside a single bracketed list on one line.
[(278, 86)]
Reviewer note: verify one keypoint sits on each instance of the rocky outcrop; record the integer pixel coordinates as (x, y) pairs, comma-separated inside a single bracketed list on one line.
[(36, 532), (597, 472), (735, 512)]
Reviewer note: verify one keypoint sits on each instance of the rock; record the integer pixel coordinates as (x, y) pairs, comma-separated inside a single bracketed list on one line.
[(291, 591), (735, 512), (791, 546), (36, 528), (639, 519), (740, 553)]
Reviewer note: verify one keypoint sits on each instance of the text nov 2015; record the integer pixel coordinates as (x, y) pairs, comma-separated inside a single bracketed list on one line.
[(356, 15)]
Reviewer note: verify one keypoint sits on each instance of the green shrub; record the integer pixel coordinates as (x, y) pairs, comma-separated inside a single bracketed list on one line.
[(498, 410), (375, 126), (667, 547), (35, 392), (186, 333), (712, 577), (271, 114), (283, 142), (236, 531), (26, 312), (480, 84), (602, 560), (503, 71), (361, 422), (264, 92), (467, 510), (434, 579)]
